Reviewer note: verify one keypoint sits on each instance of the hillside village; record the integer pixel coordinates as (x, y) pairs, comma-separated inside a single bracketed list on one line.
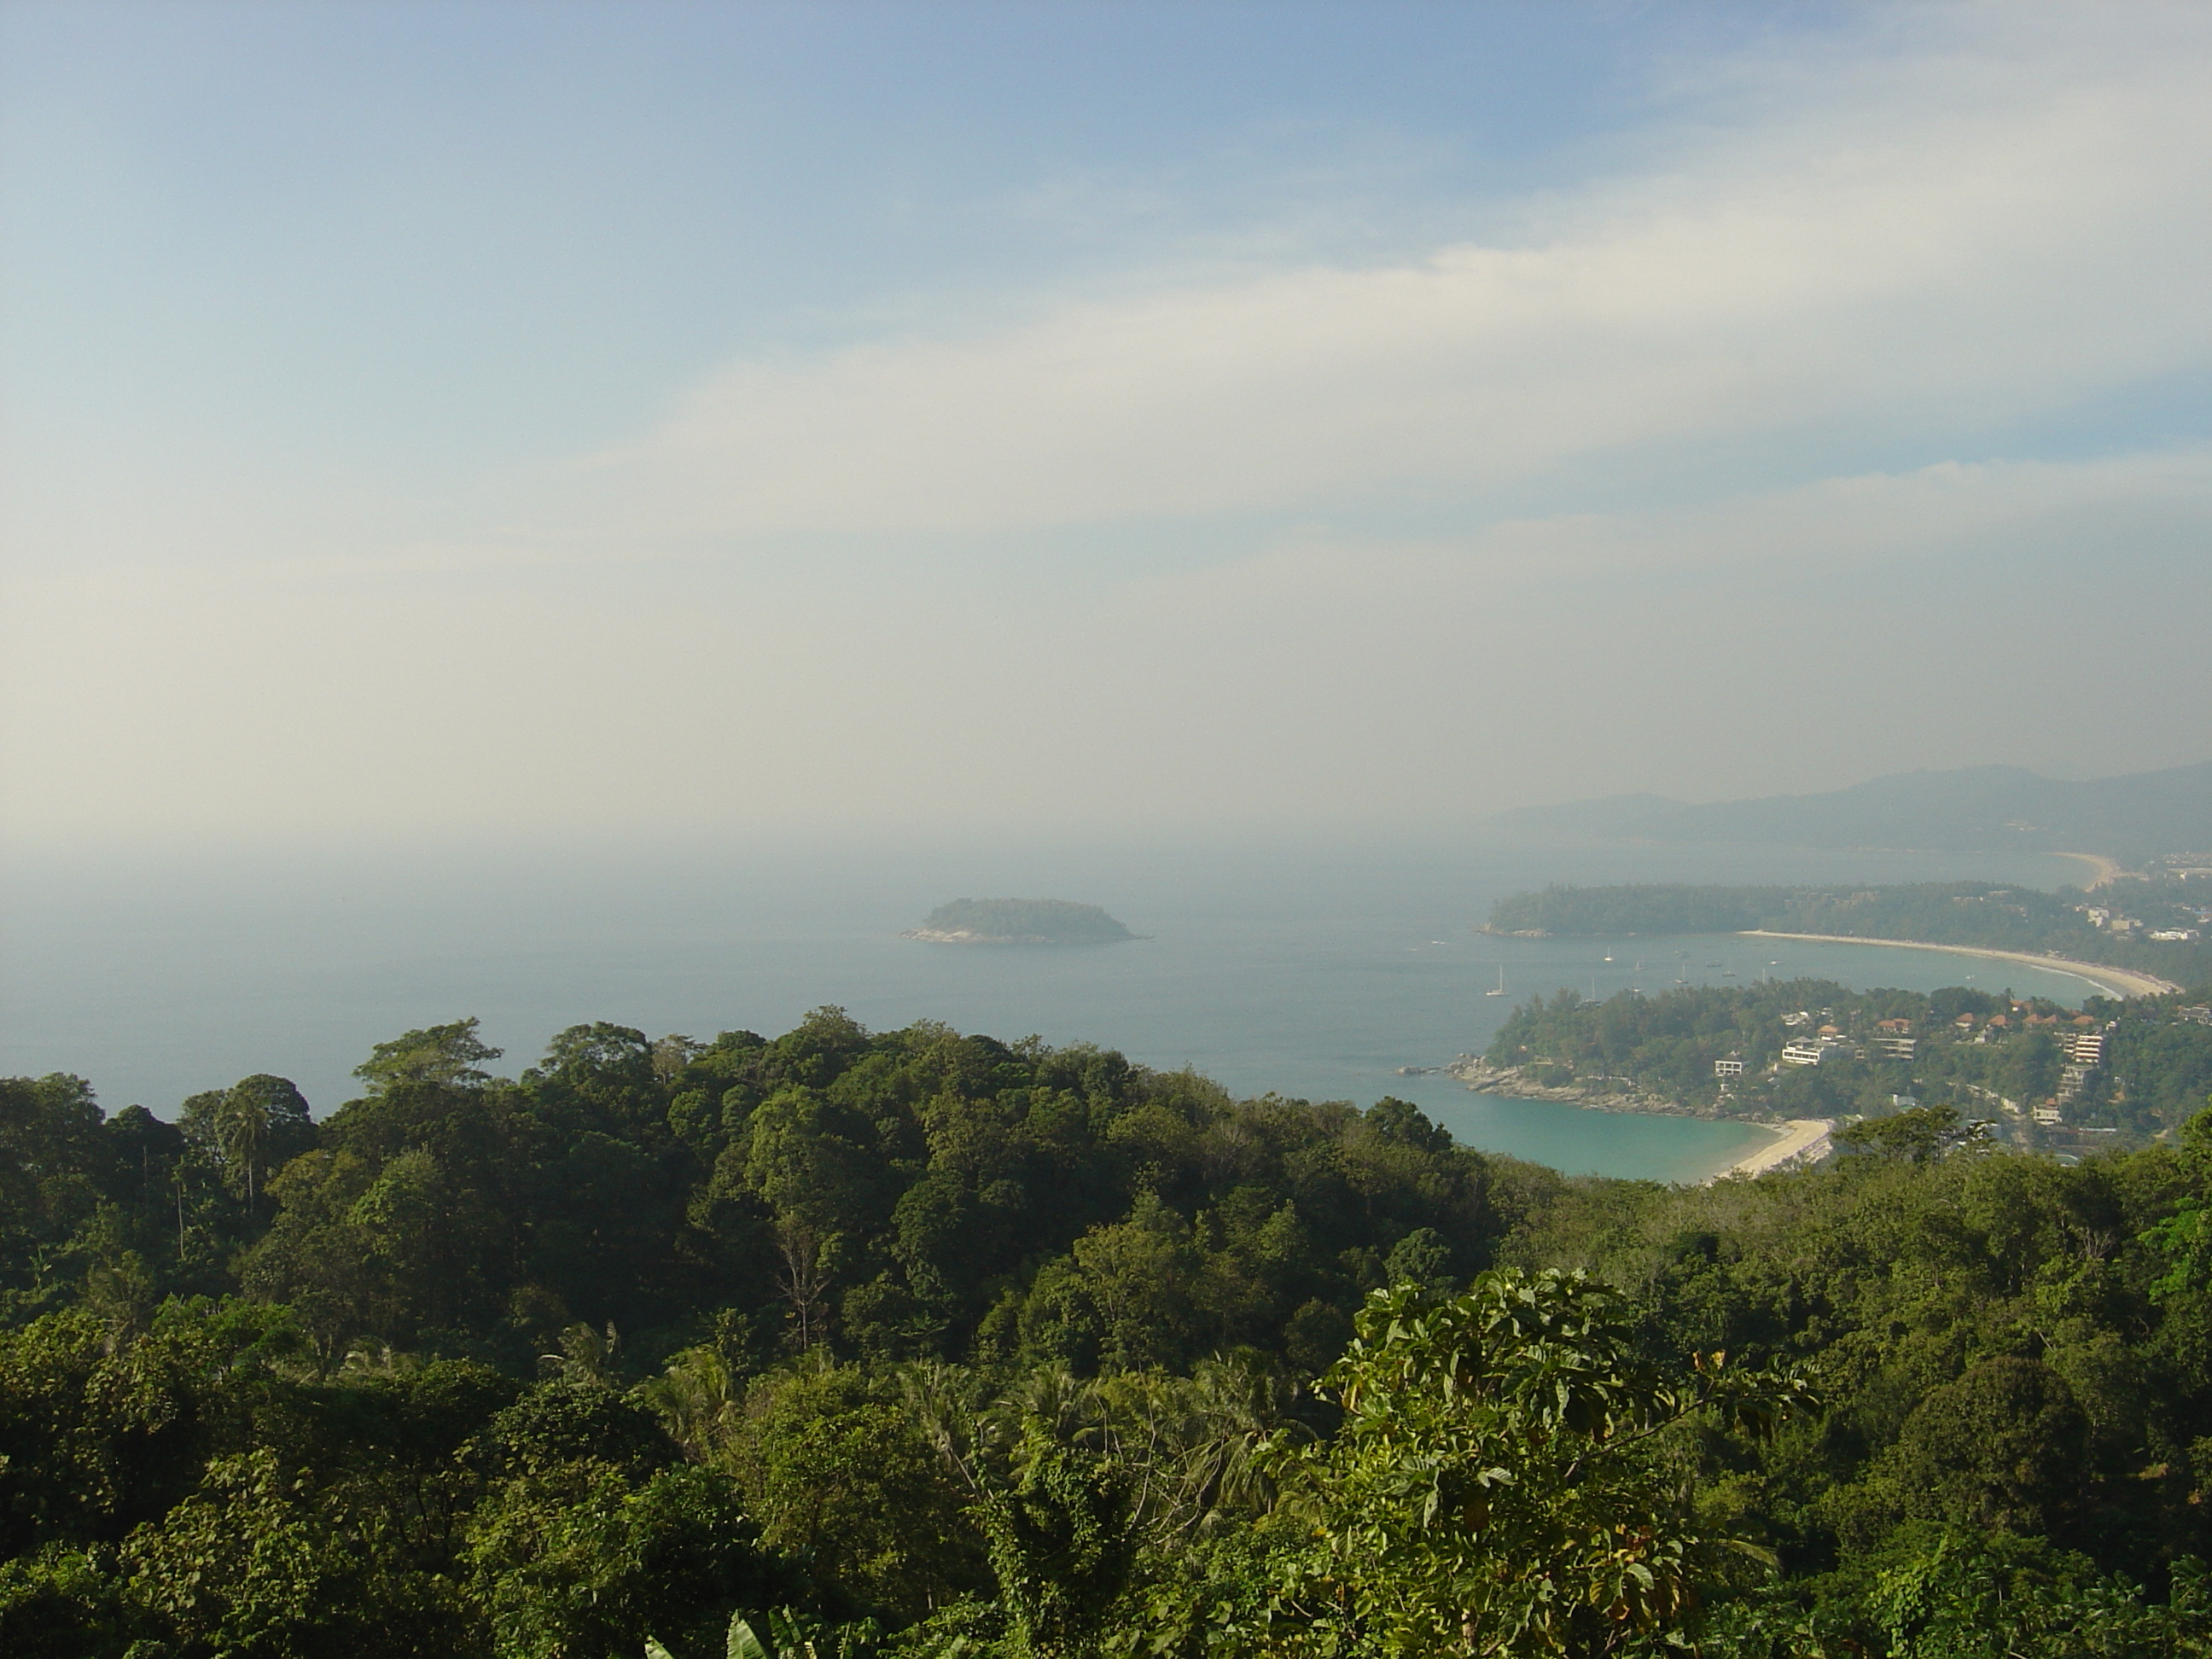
[(2047, 1077)]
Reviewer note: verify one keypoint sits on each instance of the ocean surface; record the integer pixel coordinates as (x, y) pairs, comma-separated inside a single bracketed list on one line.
[(1313, 971)]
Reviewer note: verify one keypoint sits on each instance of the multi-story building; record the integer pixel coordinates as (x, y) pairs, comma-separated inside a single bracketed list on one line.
[(1815, 1051), (2083, 1048)]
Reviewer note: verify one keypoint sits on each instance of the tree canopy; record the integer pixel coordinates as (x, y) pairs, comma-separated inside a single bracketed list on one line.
[(920, 1344)]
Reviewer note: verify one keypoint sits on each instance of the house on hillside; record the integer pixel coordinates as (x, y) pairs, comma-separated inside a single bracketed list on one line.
[(2083, 1048)]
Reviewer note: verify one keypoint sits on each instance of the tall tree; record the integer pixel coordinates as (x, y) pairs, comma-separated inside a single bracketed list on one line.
[(450, 1053)]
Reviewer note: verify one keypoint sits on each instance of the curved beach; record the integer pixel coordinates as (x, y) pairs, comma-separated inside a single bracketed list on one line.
[(1801, 1140), (2118, 981)]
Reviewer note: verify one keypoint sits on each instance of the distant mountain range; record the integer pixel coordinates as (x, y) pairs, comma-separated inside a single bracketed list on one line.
[(1976, 809)]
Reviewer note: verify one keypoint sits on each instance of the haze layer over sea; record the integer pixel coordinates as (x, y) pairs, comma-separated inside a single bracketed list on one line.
[(1314, 971)]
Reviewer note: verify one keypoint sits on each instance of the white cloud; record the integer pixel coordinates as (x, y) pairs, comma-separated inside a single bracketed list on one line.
[(1914, 247), (1833, 530), (1802, 637), (1915, 243)]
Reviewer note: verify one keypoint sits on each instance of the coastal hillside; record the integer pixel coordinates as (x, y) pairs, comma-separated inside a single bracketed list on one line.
[(2136, 817), (2050, 1076), (911, 1345), (2154, 926), (1019, 922)]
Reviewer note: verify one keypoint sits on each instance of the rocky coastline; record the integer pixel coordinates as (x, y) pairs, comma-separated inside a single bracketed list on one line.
[(1610, 1095), (964, 936)]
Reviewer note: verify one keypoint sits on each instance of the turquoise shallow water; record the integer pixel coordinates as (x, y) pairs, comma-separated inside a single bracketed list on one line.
[(1309, 972)]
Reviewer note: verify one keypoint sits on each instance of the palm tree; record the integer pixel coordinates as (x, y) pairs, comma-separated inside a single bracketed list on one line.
[(241, 1125)]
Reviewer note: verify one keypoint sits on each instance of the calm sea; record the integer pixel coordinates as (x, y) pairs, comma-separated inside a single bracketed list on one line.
[(1312, 972)]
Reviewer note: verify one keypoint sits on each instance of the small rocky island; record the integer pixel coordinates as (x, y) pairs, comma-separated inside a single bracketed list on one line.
[(1018, 921)]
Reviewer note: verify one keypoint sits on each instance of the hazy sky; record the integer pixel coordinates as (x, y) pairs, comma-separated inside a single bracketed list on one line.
[(530, 420)]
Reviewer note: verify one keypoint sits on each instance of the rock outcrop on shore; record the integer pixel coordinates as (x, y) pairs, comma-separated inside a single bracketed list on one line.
[(1610, 1094)]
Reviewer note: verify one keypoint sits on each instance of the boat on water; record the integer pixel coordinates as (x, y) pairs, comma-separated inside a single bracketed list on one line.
[(1500, 991)]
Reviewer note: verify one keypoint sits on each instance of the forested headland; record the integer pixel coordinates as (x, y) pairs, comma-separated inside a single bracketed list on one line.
[(1991, 1055), (1983, 914), (919, 1343)]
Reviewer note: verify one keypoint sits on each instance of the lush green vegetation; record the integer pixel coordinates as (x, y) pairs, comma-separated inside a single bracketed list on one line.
[(1974, 913), (920, 1344), (2154, 1073), (1024, 921)]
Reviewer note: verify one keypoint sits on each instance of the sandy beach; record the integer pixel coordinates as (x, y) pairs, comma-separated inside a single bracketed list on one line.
[(2117, 981), (1801, 1140), (2102, 870)]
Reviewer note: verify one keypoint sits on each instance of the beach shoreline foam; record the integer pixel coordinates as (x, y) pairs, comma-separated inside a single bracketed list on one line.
[(1800, 1141), (2118, 981)]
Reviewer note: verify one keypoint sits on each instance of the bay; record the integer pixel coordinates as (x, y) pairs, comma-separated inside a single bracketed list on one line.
[(1314, 971)]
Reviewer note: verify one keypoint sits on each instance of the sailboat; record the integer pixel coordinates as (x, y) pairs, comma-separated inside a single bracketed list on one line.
[(1500, 991)]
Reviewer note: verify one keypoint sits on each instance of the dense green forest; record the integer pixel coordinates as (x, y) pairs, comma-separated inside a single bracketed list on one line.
[(2153, 1073), (1975, 913), (914, 1343)]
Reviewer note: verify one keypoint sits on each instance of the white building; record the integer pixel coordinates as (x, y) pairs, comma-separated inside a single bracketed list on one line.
[(2083, 1048)]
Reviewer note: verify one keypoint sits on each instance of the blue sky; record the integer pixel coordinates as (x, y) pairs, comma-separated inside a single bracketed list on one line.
[(1318, 415)]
